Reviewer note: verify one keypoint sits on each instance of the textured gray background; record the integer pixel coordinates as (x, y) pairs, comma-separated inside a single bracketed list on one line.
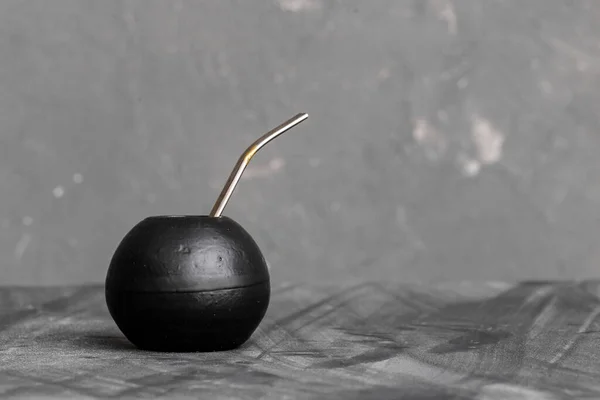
[(446, 139)]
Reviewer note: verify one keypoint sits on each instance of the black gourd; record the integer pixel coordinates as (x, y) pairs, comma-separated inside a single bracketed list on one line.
[(192, 282)]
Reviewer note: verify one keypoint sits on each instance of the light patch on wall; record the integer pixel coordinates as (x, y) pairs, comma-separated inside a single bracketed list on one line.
[(384, 74), (469, 166), (580, 57), (429, 139), (314, 162), (22, 245), (335, 206), (402, 220), (261, 171), (488, 140), (299, 5), (58, 192), (445, 12), (546, 87)]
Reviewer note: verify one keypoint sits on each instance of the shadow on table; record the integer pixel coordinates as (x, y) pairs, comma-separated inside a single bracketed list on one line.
[(103, 342)]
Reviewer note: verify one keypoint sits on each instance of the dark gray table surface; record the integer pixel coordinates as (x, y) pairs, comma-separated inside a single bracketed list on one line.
[(371, 340)]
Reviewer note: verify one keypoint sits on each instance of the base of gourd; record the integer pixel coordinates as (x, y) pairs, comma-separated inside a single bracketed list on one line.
[(206, 321)]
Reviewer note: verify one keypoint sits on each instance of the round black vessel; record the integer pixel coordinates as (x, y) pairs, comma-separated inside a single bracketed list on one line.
[(187, 283)]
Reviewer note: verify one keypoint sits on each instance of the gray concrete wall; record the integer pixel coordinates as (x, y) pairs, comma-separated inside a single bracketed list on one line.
[(446, 139)]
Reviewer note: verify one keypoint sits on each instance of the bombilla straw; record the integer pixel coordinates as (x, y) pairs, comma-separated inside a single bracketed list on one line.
[(245, 158)]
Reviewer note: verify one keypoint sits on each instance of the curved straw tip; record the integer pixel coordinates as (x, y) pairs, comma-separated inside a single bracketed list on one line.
[(245, 159)]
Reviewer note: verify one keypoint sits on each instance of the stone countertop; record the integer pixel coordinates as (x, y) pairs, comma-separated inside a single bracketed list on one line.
[(370, 340)]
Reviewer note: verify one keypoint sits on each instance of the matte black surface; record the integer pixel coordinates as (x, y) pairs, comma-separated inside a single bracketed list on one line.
[(187, 283), (214, 320), (186, 253), (354, 340)]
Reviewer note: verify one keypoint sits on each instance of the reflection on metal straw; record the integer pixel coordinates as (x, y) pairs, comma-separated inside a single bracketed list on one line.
[(243, 161)]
